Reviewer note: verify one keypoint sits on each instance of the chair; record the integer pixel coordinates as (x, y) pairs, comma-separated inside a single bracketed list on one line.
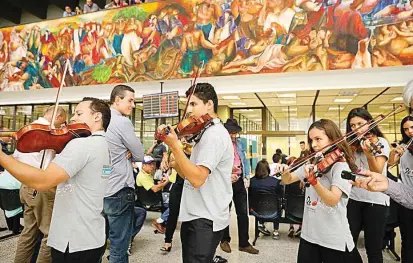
[(294, 208), (264, 207), (149, 200), (392, 222), (9, 200)]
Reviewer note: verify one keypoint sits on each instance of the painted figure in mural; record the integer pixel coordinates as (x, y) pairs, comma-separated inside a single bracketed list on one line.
[(163, 40), (193, 48)]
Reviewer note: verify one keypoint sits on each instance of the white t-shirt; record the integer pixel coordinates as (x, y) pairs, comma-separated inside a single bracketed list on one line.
[(363, 195), (211, 201), (322, 224), (77, 219), (406, 168), (274, 169)]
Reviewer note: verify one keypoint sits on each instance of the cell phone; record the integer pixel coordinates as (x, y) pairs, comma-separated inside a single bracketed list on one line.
[(351, 176)]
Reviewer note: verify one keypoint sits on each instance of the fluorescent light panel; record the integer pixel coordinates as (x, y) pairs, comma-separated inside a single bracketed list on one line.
[(336, 108), (397, 99), (342, 100), (285, 102), (238, 103), (231, 97), (287, 95), (291, 109)]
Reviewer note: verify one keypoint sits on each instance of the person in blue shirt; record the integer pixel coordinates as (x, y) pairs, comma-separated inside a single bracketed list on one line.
[(240, 180)]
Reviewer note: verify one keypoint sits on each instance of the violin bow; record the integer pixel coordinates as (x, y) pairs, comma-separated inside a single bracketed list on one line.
[(67, 66), (198, 73), (377, 120)]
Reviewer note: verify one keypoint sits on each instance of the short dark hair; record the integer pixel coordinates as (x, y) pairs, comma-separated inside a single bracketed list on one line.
[(262, 170), (204, 92), (278, 151), (302, 142), (119, 91), (97, 105), (276, 158)]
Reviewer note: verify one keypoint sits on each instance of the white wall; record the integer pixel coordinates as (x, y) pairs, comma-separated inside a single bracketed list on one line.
[(339, 79)]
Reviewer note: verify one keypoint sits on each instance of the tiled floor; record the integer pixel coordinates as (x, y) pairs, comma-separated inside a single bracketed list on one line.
[(146, 247)]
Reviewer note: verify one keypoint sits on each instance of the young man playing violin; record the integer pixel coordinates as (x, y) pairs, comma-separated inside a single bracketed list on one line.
[(38, 206), (80, 172), (207, 189)]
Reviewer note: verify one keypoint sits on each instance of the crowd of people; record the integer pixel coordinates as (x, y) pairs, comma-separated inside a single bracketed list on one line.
[(91, 7), (76, 200)]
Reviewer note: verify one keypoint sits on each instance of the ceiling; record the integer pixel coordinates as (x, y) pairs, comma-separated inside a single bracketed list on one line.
[(332, 104)]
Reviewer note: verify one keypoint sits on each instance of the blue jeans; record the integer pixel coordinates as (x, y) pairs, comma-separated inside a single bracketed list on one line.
[(165, 215), (119, 210), (139, 219)]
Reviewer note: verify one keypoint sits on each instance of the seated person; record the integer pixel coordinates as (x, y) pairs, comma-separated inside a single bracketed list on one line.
[(8, 182), (265, 184), (145, 180)]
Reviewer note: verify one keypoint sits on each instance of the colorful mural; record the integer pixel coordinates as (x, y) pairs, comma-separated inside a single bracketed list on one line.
[(168, 39)]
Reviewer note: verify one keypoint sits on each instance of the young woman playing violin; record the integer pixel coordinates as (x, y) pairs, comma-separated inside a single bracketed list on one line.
[(366, 210), (403, 153), (325, 235)]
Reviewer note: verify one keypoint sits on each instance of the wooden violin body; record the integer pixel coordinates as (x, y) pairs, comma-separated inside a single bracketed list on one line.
[(38, 137), (188, 127)]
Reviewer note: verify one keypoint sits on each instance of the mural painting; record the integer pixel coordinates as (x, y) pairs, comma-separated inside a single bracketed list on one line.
[(169, 39)]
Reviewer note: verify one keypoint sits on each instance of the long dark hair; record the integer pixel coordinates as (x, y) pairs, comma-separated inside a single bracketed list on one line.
[(406, 138), (365, 115), (262, 170), (333, 133)]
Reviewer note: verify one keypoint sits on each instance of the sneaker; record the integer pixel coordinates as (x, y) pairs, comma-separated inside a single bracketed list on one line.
[(291, 232), (218, 259), (264, 230), (276, 235), (225, 246), (298, 232)]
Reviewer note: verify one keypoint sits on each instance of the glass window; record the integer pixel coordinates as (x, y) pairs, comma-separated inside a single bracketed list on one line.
[(23, 116), (6, 116)]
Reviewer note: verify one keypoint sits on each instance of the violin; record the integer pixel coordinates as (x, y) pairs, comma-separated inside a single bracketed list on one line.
[(38, 137), (330, 154), (189, 127), (407, 146), (374, 148)]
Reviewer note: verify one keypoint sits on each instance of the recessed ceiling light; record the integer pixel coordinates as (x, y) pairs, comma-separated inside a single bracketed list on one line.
[(342, 100), (284, 102), (238, 103), (386, 107), (245, 110), (251, 115), (289, 109), (397, 99), (349, 93), (286, 95), (336, 108), (231, 97)]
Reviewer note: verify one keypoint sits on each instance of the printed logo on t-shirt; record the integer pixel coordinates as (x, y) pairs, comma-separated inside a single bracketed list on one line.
[(106, 171), (311, 204), (408, 172)]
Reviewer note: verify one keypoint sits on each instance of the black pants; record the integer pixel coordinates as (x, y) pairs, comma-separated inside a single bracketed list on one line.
[(313, 253), (240, 201), (175, 196), (86, 256), (371, 218), (406, 230), (199, 242)]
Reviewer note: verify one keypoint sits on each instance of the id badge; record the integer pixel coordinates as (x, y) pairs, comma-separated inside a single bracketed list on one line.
[(106, 171)]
